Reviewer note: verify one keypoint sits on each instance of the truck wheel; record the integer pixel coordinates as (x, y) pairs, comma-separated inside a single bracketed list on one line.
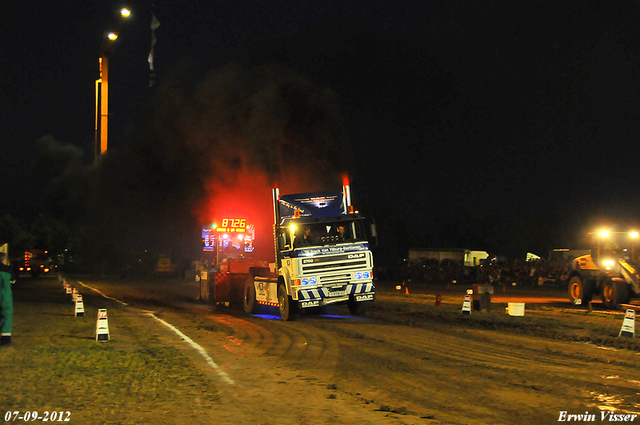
[(614, 293), (249, 299), (578, 290), (288, 307), (357, 308)]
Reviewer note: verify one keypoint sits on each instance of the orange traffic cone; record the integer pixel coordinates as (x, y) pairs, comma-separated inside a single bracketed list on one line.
[(406, 289)]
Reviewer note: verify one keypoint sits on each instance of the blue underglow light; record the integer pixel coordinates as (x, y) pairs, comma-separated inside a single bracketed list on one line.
[(268, 316)]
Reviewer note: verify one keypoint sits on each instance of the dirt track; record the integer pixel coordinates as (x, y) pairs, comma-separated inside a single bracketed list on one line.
[(340, 369)]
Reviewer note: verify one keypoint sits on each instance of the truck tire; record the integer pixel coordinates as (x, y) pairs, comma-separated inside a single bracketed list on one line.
[(249, 298), (288, 307), (614, 293), (357, 308), (579, 290)]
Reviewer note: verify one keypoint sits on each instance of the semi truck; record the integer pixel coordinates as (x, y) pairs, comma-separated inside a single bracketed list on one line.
[(322, 256), (609, 271)]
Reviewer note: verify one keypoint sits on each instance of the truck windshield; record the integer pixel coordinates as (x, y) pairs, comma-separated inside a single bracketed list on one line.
[(329, 232)]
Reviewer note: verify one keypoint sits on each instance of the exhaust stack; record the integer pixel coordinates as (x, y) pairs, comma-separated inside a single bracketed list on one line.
[(346, 190), (276, 224)]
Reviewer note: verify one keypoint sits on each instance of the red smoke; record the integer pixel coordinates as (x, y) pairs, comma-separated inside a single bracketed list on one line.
[(247, 193)]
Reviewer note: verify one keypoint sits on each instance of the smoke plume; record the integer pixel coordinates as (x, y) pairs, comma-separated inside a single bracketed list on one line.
[(212, 148)]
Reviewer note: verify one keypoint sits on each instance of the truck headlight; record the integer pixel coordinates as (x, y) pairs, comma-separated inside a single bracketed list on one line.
[(309, 281), (609, 263)]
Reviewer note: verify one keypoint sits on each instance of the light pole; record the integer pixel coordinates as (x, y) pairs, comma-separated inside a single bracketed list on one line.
[(102, 87)]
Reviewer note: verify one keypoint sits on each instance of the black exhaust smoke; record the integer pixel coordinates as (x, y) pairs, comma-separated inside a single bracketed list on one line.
[(209, 147)]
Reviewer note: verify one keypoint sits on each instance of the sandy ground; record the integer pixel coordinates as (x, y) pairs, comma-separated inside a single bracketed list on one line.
[(340, 369)]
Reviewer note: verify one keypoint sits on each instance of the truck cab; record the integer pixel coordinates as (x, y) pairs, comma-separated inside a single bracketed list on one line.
[(322, 256)]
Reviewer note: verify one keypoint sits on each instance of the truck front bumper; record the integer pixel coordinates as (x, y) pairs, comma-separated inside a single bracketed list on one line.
[(330, 294)]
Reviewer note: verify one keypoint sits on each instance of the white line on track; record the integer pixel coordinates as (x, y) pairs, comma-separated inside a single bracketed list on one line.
[(198, 347), (192, 343), (98, 291)]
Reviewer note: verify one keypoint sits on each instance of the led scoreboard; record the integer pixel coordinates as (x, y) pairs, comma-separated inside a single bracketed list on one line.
[(232, 225), (234, 231)]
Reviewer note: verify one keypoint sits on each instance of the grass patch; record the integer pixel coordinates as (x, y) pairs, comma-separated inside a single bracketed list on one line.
[(56, 364)]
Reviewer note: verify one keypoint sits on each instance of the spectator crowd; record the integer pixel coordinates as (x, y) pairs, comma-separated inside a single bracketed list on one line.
[(498, 272)]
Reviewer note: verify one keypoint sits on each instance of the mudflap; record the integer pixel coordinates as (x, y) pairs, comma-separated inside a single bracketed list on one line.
[(310, 304), (236, 288), (220, 288), (364, 297), (228, 289)]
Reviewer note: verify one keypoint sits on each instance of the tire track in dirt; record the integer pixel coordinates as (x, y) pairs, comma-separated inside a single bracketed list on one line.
[(526, 357), (282, 372), (388, 374), (305, 346), (297, 360), (433, 371), (517, 355), (416, 359), (320, 351)]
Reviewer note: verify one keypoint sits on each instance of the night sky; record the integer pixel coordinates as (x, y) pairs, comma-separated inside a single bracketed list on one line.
[(436, 108)]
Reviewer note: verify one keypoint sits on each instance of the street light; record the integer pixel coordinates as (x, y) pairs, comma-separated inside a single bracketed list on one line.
[(102, 87)]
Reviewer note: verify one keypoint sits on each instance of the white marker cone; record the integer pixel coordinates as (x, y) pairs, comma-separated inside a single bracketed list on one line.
[(102, 326), (628, 328), (79, 306), (466, 305)]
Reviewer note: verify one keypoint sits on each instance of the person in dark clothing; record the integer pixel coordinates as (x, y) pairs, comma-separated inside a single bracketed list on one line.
[(305, 238), (6, 301)]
